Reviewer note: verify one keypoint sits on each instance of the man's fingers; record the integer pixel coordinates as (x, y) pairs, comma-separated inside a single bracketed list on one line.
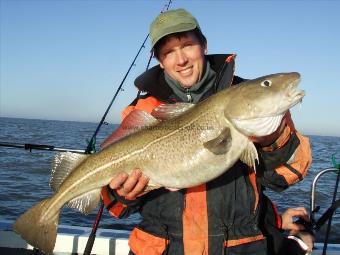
[(289, 215), (138, 188), (298, 212), (118, 180), (131, 182), (128, 185)]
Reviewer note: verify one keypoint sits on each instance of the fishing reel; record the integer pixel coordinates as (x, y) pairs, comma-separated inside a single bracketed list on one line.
[(310, 226)]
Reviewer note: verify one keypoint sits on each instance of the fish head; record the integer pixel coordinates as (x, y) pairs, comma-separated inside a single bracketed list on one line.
[(256, 107)]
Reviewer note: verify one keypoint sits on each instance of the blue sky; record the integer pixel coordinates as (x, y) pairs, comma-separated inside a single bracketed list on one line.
[(64, 59)]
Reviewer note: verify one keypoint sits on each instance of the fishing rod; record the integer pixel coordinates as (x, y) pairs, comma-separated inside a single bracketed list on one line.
[(335, 205), (91, 145), (44, 147), (91, 148)]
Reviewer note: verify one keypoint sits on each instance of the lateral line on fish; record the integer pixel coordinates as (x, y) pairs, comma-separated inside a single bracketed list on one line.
[(117, 161)]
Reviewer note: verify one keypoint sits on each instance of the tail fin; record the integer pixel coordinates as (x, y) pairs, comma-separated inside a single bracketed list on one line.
[(37, 231)]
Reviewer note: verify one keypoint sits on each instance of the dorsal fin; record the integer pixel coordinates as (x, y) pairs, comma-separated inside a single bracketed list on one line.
[(135, 121), (169, 111), (63, 164)]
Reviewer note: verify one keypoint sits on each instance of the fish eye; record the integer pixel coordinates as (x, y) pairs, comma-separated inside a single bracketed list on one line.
[(266, 83)]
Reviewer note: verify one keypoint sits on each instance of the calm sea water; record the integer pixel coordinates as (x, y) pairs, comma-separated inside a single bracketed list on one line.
[(24, 175)]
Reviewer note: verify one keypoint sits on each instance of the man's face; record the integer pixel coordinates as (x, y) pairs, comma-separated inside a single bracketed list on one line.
[(182, 58)]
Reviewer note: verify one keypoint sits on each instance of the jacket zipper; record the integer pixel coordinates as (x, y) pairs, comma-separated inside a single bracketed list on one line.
[(189, 97)]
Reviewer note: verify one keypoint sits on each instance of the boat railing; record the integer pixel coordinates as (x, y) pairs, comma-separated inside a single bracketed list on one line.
[(315, 225), (313, 208)]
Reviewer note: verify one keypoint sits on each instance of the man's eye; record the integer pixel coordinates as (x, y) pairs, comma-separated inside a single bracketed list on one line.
[(167, 53)]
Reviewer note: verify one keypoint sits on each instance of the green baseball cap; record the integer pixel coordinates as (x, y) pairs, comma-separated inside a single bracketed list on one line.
[(169, 22)]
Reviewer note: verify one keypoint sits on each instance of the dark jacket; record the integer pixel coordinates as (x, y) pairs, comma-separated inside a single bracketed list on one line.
[(223, 214)]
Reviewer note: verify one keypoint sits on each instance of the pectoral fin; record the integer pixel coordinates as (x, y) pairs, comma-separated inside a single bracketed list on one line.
[(221, 144), (249, 155)]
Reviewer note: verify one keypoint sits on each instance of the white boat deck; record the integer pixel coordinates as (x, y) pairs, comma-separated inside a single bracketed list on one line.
[(72, 240)]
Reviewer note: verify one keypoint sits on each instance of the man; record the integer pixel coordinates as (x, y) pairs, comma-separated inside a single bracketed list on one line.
[(229, 214)]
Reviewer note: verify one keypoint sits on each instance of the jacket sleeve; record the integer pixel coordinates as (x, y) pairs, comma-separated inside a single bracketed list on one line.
[(286, 161), (117, 205)]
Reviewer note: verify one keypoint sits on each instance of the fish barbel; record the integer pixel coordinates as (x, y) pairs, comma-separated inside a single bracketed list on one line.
[(190, 146)]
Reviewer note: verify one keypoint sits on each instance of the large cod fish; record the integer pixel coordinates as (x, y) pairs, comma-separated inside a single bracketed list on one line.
[(190, 146)]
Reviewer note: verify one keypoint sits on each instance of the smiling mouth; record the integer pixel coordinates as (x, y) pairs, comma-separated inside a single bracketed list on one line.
[(186, 71)]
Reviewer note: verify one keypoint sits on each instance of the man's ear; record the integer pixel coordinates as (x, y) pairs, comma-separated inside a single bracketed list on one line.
[(206, 49), (161, 65)]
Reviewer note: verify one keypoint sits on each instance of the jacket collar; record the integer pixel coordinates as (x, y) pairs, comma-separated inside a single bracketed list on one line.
[(153, 82)]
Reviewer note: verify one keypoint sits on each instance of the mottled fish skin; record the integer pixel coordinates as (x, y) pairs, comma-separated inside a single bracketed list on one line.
[(171, 154), (181, 152)]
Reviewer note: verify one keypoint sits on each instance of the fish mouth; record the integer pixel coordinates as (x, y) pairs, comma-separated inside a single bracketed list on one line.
[(294, 95), (268, 123)]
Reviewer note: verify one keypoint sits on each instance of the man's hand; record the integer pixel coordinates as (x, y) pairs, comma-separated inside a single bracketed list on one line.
[(296, 229), (288, 218), (130, 186)]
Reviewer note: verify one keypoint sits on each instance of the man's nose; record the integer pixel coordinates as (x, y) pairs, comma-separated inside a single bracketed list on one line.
[(181, 57)]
